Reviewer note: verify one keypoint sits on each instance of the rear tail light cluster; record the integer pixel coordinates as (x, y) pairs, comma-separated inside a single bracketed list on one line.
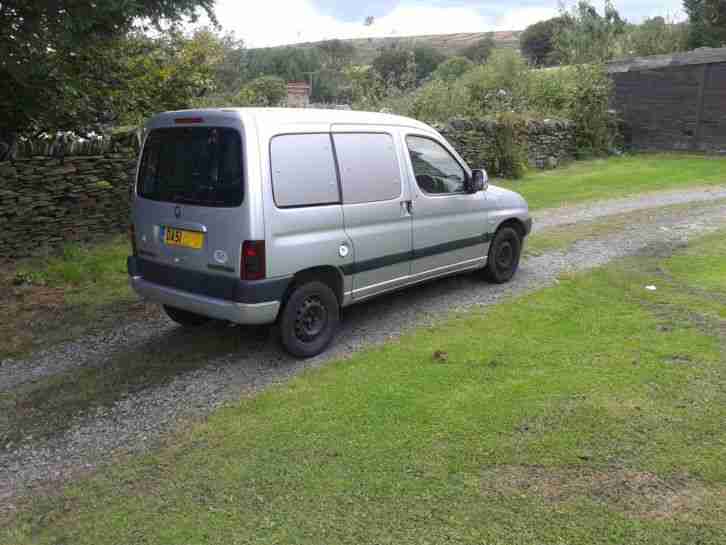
[(252, 261)]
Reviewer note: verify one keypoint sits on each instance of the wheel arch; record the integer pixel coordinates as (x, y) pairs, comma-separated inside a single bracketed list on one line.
[(327, 274), (516, 224)]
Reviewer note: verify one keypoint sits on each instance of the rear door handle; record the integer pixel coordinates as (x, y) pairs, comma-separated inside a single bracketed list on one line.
[(407, 208)]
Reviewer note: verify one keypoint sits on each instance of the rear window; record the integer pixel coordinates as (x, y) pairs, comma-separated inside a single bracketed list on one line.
[(192, 165)]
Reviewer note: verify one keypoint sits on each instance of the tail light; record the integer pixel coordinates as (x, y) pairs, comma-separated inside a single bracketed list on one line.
[(252, 261), (132, 238)]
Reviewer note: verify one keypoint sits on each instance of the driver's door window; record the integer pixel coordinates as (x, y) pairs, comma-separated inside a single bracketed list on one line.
[(436, 171)]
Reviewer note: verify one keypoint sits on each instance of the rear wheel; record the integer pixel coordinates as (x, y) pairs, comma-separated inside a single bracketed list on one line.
[(503, 258), (184, 317), (309, 319)]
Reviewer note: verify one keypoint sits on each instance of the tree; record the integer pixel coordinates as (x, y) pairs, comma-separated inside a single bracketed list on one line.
[(269, 90), (289, 63), (480, 51), (655, 36), (396, 66), (427, 58), (591, 38), (538, 41), (452, 68), (46, 56), (336, 53), (707, 22)]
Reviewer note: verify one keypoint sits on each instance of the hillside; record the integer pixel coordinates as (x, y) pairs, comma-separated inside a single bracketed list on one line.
[(449, 44)]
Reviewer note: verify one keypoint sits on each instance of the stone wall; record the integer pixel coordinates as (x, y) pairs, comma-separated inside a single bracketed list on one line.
[(548, 142), (48, 197)]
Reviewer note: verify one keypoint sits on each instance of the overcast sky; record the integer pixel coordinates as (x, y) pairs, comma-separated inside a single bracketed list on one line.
[(277, 22)]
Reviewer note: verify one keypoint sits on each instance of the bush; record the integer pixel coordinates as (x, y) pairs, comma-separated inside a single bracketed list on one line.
[(596, 129), (439, 101), (452, 68), (499, 85), (508, 89), (511, 145)]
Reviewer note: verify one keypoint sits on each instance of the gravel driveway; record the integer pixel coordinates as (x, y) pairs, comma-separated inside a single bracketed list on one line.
[(139, 418)]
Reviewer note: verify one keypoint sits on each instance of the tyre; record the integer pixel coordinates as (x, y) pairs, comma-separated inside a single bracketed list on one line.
[(184, 317), (309, 319), (503, 258)]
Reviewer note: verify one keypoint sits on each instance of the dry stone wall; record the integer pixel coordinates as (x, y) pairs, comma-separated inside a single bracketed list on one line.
[(48, 198), (548, 142)]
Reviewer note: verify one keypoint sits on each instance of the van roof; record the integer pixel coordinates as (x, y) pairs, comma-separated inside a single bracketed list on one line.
[(302, 115)]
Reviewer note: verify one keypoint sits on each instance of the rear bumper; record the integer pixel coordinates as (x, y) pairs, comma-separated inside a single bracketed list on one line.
[(218, 296), (240, 313)]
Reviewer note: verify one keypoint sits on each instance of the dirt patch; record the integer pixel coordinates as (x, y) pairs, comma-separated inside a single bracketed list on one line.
[(37, 316), (637, 494)]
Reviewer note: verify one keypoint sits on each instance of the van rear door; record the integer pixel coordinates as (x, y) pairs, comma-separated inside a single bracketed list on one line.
[(190, 189)]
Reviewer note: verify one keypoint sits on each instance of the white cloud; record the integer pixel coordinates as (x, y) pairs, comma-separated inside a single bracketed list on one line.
[(278, 22)]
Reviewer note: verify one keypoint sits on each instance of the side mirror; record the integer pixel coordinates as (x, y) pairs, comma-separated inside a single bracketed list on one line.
[(479, 180)]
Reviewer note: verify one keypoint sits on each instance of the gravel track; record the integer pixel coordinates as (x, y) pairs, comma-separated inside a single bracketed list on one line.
[(554, 217), (139, 420)]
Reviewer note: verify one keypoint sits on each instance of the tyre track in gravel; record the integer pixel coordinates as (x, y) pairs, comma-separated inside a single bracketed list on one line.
[(139, 418)]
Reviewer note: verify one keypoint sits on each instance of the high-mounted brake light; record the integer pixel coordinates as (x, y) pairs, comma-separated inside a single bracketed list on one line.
[(188, 120), (252, 260)]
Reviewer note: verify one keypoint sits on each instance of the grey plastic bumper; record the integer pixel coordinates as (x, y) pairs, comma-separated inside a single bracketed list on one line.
[(240, 313)]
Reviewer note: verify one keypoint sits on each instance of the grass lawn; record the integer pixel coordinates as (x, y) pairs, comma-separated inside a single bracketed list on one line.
[(591, 412), (617, 177), (50, 299)]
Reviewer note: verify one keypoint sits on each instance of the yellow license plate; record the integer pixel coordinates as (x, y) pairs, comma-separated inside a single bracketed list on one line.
[(180, 237)]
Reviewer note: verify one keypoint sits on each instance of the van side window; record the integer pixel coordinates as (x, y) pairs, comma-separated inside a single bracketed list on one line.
[(436, 171), (303, 170), (369, 170)]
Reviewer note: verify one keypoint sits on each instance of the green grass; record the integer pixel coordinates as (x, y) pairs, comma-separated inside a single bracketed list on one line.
[(617, 177), (590, 412), (49, 299)]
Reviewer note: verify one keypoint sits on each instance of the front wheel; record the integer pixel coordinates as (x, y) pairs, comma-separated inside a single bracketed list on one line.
[(309, 319), (503, 258)]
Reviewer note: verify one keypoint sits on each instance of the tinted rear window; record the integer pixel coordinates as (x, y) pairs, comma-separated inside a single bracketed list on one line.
[(192, 165)]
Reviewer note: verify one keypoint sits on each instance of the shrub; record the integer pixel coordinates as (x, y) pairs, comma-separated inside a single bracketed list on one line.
[(596, 128), (499, 85), (510, 139), (439, 101), (452, 68)]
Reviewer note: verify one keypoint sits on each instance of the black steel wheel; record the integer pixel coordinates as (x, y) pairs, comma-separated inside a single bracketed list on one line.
[(309, 319), (503, 257)]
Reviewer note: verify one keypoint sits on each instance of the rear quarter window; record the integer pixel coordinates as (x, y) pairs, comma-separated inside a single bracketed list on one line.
[(369, 169), (303, 170)]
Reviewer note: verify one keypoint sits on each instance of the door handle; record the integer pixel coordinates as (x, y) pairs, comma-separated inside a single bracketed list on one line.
[(407, 208)]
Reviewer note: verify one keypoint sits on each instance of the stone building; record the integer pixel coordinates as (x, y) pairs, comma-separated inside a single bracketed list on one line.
[(298, 94)]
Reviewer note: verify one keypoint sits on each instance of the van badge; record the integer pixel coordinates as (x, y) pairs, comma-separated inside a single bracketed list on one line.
[(343, 250), (177, 212), (220, 256)]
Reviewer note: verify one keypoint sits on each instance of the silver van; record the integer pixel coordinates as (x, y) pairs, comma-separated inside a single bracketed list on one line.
[(265, 215)]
